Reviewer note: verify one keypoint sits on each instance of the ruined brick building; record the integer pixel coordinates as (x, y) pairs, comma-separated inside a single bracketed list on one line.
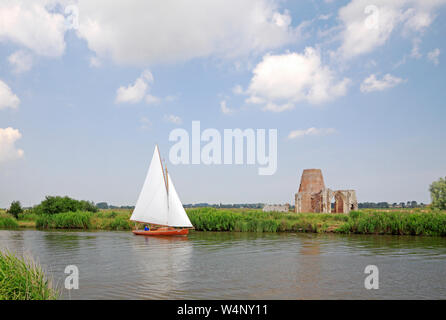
[(314, 197)]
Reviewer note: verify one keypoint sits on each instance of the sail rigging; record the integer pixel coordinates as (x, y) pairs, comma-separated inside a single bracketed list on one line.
[(158, 202)]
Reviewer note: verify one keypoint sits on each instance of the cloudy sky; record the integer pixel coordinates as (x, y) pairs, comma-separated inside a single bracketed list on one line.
[(87, 88)]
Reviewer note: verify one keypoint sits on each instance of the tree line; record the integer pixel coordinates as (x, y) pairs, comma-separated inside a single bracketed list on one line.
[(57, 204)]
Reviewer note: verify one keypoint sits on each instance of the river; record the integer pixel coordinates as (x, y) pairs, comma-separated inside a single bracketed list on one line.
[(211, 265)]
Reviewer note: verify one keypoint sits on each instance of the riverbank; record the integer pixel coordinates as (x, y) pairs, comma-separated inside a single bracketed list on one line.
[(396, 222), (406, 222), (23, 279)]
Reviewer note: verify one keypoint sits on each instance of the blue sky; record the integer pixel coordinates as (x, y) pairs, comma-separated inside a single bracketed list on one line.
[(373, 93)]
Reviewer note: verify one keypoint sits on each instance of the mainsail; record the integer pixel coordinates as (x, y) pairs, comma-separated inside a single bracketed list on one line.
[(158, 202)]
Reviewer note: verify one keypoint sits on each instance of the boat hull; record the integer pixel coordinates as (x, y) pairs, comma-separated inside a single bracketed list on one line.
[(162, 232)]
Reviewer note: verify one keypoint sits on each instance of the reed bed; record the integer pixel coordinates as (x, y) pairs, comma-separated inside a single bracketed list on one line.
[(398, 222), (102, 220), (23, 279), (8, 222), (211, 219), (431, 223), (66, 220), (112, 220)]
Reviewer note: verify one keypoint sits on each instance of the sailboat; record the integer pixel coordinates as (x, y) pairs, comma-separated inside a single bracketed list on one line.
[(159, 205)]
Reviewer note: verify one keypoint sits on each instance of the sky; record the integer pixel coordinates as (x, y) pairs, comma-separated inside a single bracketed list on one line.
[(87, 88)]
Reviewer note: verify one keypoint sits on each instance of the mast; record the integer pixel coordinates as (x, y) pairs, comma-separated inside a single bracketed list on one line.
[(162, 168), (167, 181)]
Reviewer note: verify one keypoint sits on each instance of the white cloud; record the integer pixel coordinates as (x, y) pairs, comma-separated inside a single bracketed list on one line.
[(310, 132), (371, 83), (433, 56), (152, 99), (280, 81), (225, 109), (21, 61), (30, 24), (7, 98), (8, 151), (146, 32), (415, 53), (367, 25), (173, 119), (136, 92)]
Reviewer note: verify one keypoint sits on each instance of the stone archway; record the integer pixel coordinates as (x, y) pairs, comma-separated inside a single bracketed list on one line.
[(339, 205)]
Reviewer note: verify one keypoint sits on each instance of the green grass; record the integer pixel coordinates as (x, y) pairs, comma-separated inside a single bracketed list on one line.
[(211, 219), (367, 221), (431, 223), (405, 222), (112, 220), (7, 221), (66, 220), (103, 220), (23, 279)]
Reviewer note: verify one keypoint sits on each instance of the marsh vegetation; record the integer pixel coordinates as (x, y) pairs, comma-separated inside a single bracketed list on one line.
[(23, 279)]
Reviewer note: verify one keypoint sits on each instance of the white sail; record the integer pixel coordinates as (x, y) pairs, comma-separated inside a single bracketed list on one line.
[(152, 204), (177, 214), (158, 202)]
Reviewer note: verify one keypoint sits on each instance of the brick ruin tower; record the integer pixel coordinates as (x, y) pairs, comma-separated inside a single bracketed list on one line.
[(314, 197), (311, 183)]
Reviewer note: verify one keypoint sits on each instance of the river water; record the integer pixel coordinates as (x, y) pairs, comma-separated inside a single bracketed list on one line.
[(211, 265)]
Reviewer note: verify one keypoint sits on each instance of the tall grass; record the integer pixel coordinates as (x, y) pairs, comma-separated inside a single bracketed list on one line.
[(23, 279), (27, 216), (85, 220), (112, 220), (432, 223), (8, 222), (66, 220), (363, 222), (211, 219)]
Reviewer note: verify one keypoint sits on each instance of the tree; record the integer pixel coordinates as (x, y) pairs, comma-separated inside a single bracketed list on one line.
[(15, 209), (102, 205), (54, 205), (438, 194)]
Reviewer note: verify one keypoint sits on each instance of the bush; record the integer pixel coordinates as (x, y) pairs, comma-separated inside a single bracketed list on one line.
[(120, 223), (27, 216), (22, 279), (438, 194), (55, 205)]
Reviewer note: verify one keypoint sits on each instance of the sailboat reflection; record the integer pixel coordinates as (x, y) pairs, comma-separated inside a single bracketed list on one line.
[(162, 266)]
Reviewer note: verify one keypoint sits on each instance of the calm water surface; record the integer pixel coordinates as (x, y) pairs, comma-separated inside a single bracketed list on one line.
[(208, 265)]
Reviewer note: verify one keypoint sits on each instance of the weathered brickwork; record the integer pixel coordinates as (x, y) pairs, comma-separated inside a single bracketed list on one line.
[(313, 196)]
